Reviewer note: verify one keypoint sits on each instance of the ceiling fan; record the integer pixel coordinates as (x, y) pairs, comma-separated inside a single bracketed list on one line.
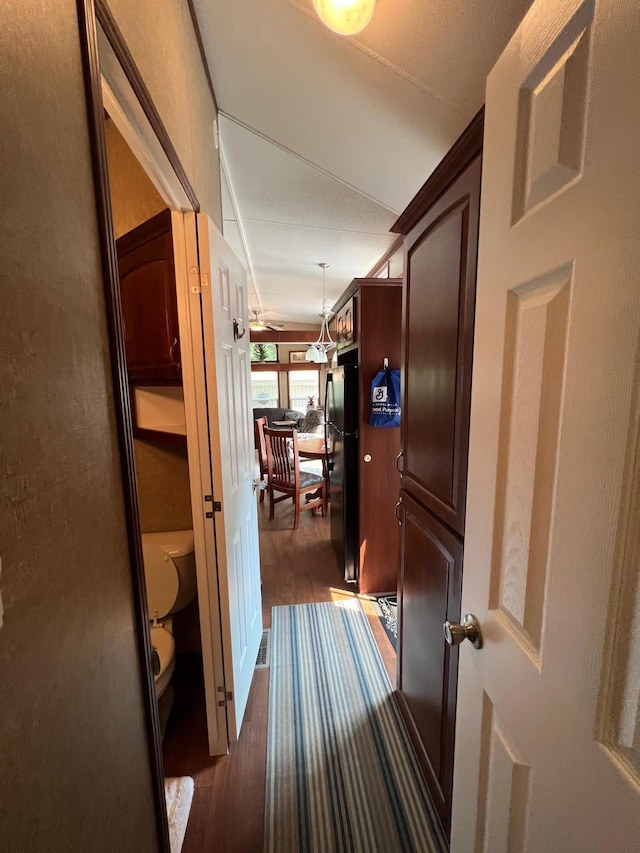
[(257, 324)]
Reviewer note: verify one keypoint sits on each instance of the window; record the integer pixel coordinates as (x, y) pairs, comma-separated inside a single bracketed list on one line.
[(264, 389), (263, 352), (302, 385)]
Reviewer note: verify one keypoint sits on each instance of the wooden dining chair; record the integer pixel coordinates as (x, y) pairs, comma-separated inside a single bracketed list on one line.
[(284, 475), (261, 447)]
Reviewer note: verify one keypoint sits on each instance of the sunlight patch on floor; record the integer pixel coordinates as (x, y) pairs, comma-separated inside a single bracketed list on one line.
[(347, 604)]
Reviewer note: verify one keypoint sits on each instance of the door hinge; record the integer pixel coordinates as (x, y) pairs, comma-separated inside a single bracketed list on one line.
[(216, 506), (194, 270), (227, 696)]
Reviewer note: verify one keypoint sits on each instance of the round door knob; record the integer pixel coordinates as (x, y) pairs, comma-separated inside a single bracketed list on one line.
[(454, 634)]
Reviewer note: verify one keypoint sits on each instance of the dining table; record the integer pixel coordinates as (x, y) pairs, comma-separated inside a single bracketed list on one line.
[(315, 448)]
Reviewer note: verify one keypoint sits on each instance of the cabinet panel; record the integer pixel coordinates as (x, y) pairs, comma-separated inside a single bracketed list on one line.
[(429, 594), (379, 316), (148, 294), (439, 306)]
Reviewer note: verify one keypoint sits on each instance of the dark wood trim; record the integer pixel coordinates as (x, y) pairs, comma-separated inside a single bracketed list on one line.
[(290, 336), (282, 367), (355, 285), (203, 55), (393, 248), (133, 75), (468, 146), (95, 116)]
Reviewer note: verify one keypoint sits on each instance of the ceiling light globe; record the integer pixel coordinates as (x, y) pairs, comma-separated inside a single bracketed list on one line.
[(312, 353), (345, 17)]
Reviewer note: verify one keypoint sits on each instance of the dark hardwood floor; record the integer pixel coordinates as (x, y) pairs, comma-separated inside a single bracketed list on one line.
[(298, 567)]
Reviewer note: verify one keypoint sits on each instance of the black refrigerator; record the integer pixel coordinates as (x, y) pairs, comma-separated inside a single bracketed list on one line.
[(341, 424)]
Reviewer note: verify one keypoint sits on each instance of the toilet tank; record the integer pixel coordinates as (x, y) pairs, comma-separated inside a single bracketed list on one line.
[(179, 546)]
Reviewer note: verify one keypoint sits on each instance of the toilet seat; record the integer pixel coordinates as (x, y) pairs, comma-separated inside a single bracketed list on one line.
[(161, 578), (164, 644)]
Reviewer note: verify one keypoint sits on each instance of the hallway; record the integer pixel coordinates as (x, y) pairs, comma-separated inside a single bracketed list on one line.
[(227, 814)]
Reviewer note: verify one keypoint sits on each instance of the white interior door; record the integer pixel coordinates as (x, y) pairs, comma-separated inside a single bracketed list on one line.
[(548, 725), (200, 474), (227, 367)]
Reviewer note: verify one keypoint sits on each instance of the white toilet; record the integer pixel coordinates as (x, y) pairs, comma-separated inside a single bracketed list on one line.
[(170, 574)]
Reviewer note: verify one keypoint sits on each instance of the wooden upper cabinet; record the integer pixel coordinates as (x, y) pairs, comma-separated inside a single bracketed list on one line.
[(346, 324), (148, 294), (438, 323)]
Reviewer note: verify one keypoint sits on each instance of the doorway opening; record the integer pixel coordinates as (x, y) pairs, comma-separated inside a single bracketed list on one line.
[(142, 233)]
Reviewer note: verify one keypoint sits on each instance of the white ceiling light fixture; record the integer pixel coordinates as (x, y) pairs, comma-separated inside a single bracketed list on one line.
[(345, 17), (317, 352)]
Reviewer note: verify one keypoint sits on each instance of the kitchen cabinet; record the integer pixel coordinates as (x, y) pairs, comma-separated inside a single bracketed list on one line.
[(345, 324)]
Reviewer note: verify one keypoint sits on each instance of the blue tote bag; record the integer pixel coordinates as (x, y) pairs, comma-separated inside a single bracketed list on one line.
[(385, 399)]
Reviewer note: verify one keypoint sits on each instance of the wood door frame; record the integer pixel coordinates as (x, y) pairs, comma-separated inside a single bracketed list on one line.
[(174, 185)]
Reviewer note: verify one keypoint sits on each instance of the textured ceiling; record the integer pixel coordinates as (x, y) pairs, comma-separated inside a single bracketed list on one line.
[(325, 139)]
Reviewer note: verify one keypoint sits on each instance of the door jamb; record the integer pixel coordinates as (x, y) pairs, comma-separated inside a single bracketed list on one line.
[(90, 13)]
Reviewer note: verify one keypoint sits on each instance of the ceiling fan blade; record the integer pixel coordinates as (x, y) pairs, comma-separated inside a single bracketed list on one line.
[(274, 327)]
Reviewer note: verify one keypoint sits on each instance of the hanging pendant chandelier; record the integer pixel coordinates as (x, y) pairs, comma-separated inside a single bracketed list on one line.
[(345, 17), (317, 351)]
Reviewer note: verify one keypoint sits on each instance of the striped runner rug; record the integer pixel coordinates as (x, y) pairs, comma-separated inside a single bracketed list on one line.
[(341, 772)]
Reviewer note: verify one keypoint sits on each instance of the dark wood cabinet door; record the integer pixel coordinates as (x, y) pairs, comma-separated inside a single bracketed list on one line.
[(148, 294), (438, 324), (429, 594)]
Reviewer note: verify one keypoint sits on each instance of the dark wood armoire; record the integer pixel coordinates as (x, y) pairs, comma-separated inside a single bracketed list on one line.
[(441, 236)]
